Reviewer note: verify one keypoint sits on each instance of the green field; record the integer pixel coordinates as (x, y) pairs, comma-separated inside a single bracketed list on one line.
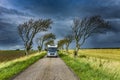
[(6, 55), (95, 64)]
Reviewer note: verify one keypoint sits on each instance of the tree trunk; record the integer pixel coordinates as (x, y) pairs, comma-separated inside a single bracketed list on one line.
[(39, 48), (67, 47), (76, 49), (26, 51), (27, 48), (42, 45)]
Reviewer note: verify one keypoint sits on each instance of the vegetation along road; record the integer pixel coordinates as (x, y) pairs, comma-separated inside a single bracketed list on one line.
[(47, 69)]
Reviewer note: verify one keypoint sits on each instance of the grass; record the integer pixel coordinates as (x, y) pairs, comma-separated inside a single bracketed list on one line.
[(112, 54), (6, 55), (95, 64), (10, 68)]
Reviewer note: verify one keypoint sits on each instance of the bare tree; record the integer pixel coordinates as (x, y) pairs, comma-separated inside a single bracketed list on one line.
[(82, 29), (28, 30), (68, 40), (42, 39), (61, 43)]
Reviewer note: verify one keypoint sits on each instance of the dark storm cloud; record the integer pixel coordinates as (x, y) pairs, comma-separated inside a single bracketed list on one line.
[(8, 28), (104, 11), (38, 7), (69, 8), (8, 34), (109, 40), (61, 28), (4, 10), (61, 12), (116, 25)]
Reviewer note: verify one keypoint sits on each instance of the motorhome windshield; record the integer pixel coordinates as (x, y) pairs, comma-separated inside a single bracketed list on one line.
[(52, 49)]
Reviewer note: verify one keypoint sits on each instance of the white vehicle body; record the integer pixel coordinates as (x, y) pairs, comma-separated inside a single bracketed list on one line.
[(52, 50)]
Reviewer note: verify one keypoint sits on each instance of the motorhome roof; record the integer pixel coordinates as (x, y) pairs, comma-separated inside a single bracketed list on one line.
[(52, 45)]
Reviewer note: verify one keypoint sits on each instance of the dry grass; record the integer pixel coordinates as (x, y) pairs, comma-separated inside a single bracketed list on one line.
[(113, 54), (106, 61)]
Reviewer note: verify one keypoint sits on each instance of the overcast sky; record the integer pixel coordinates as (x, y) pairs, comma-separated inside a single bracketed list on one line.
[(62, 12)]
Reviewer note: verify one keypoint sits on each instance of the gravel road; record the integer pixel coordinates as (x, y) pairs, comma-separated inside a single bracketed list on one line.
[(47, 69)]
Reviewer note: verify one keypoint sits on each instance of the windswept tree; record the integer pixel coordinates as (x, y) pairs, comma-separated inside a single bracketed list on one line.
[(42, 39), (61, 43), (50, 42), (28, 30), (82, 29), (68, 40)]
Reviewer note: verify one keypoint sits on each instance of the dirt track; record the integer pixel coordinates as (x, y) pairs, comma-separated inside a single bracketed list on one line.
[(47, 69)]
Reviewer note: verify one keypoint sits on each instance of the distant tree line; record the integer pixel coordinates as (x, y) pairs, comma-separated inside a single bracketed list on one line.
[(45, 40)]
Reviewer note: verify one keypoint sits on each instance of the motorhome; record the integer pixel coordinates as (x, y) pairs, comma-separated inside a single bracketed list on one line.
[(52, 50)]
